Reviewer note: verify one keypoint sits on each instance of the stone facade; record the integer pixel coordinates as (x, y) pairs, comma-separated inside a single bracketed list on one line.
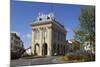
[(48, 36), (17, 47), (72, 45)]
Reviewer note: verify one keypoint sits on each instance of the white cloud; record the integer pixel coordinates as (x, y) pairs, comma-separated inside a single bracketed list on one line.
[(68, 29), (28, 36)]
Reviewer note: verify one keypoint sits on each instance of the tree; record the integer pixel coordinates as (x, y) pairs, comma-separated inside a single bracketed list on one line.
[(86, 30)]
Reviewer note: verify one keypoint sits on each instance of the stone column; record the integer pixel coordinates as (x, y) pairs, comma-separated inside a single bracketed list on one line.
[(40, 41), (49, 41)]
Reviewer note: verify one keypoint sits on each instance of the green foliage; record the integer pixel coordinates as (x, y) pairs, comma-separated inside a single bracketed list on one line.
[(79, 35), (86, 30), (78, 57), (87, 19), (63, 58)]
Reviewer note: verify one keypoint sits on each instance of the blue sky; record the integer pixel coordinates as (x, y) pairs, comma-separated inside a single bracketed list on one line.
[(25, 13)]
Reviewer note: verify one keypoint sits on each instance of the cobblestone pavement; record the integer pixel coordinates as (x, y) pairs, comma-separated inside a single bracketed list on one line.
[(35, 61)]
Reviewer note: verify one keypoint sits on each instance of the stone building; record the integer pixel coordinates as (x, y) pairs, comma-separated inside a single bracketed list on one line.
[(72, 45), (17, 47), (69, 47), (48, 36)]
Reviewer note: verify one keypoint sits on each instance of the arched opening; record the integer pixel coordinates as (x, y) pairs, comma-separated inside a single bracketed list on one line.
[(58, 49), (61, 50), (64, 49), (37, 49), (54, 49), (44, 49)]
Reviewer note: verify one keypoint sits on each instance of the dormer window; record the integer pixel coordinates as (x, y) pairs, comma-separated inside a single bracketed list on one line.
[(48, 17), (40, 19), (44, 17)]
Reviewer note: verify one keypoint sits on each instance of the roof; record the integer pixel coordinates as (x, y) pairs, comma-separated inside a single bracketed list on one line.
[(45, 19), (15, 35)]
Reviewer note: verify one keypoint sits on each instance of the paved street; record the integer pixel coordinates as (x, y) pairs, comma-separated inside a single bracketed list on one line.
[(35, 61)]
